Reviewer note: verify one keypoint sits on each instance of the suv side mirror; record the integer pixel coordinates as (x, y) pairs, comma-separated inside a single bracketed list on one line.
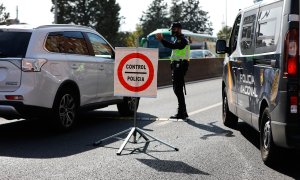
[(221, 47), (113, 56)]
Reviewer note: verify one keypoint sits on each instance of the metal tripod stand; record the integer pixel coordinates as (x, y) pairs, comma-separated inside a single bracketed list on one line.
[(133, 132)]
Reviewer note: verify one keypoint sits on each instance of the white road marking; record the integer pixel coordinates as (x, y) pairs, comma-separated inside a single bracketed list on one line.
[(144, 118), (163, 123), (166, 119), (205, 109)]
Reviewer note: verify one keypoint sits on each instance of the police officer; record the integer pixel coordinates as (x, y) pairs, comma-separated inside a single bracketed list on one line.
[(179, 65)]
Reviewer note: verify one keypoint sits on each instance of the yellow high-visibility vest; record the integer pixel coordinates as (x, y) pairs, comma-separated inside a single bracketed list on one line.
[(181, 54)]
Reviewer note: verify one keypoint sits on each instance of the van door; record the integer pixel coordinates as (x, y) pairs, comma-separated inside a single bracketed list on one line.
[(230, 70), (245, 78), (267, 57)]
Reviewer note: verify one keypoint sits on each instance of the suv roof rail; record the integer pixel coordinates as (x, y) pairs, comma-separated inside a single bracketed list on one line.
[(63, 25)]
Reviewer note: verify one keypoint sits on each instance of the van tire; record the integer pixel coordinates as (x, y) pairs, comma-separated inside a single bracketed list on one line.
[(65, 110), (126, 108), (267, 147), (229, 119)]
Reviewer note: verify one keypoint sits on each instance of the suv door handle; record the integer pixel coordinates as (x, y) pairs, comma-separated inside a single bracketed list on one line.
[(74, 66), (101, 68)]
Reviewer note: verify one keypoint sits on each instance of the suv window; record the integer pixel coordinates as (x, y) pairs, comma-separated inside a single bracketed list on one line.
[(100, 46), (14, 44), (248, 30), (268, 29), (71, 42)]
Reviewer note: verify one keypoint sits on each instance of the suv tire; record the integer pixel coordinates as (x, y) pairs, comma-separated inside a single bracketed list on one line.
[(229, 119), (65, 109), (126, 108), (267, 147)]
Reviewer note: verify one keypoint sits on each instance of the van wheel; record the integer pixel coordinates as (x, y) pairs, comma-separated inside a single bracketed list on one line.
[(65, 110), (126, 108), (267, 147), (229, 119)]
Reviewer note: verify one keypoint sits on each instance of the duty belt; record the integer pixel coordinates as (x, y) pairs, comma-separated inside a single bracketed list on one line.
[(178, 61)]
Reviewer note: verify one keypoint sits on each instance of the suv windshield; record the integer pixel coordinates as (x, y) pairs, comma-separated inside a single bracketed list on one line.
[(14, 44)]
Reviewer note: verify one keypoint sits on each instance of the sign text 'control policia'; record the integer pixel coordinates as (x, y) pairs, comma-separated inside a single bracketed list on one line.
[(135, 67)]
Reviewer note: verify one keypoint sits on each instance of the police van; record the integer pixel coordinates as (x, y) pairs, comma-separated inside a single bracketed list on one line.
[(261, 74)]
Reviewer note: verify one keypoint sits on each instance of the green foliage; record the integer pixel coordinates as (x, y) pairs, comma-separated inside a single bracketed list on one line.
[(101, 15), (130, 39), (176, 11), (224, 33), (195, 19), (188, 12), (3, 15), (123, 38), (155, 17)]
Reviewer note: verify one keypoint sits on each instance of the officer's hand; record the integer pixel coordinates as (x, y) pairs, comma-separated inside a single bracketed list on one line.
[(159, 36)]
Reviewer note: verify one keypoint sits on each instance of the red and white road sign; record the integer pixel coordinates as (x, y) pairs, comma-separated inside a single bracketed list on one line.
[(135, 72)]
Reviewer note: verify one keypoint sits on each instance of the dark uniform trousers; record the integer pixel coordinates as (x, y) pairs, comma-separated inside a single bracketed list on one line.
[(179, 69)]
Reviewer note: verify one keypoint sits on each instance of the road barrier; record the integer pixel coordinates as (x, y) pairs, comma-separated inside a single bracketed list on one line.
[(199, 69)]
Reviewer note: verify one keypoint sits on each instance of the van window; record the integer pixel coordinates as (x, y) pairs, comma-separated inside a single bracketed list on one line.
[(234, 34), (268, 28), (71, 42), (100, 46), (248, 29), (14, 44)]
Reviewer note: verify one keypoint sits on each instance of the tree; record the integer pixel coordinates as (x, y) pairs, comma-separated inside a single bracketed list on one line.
[(224, 33), (130, 39), (176, 11), (194, 18), (107, 19), (3, 15), (123, 39), (188, 12), (101, 15), (155, 17)]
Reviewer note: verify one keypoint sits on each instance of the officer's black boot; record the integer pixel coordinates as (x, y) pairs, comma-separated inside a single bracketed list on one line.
[(181, 114)]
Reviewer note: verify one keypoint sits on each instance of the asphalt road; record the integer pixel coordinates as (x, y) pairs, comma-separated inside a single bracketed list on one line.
[(207, 149)]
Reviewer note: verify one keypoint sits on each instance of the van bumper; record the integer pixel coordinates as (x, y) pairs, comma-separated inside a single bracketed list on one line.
[(286, 135)]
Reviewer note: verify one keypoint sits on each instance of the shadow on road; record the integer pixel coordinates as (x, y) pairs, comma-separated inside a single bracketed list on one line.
[(288, 159), (211, 127), (171, 166), (249, 133), (33, 139)]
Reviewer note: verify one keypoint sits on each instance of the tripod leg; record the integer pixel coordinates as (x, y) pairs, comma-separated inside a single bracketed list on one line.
[(113, 136), (143, 132), (142, 135), (126, 141)]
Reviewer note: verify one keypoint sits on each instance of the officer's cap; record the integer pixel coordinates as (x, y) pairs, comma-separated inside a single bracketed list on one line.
[(175, 25)]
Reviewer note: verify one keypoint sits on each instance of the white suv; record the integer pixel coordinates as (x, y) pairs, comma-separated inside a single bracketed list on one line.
[(55, 71)]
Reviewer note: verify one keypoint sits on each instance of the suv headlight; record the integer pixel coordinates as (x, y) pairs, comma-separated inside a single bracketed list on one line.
[(32, 65)]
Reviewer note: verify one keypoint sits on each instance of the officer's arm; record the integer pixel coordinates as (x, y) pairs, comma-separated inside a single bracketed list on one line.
[(176, 45)]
